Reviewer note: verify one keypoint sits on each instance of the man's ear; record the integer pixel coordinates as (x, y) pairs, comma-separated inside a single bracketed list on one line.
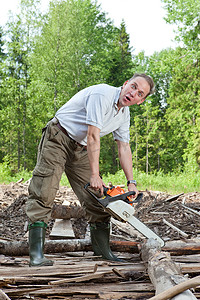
[(141, 101)]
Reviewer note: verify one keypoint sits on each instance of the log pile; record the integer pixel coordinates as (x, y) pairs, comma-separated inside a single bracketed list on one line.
[(76, 273)]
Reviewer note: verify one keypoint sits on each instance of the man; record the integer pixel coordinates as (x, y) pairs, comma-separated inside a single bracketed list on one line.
[(71, 143)]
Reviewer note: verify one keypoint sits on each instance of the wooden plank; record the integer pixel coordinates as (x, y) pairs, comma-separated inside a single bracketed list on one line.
[(33, 282), (80, 279), (125, 295), (90, 290), (187, 258), (62, 229), (67, 271)]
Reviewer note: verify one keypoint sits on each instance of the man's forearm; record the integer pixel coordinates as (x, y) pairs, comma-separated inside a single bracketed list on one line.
[(125, 157), (93, 148), (93, 144)]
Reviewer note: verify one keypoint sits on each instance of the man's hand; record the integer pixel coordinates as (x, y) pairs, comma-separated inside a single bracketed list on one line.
[(132, 187), (97, 183)]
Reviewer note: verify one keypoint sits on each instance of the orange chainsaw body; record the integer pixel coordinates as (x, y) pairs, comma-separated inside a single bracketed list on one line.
[(117, 190)]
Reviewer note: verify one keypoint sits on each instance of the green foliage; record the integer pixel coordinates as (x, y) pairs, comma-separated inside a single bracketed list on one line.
[(185, 14), (46, 59), (70, 50), (120, 60), (7, 175)]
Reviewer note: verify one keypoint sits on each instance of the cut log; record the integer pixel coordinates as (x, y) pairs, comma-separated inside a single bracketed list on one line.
[(20, 248), (163, 272), (180, 247), (64, 212)]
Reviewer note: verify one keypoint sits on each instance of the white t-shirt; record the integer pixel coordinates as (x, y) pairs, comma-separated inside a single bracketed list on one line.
[(97, 106)]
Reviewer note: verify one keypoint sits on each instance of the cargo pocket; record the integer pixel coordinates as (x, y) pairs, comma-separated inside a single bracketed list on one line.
[(43, 186)]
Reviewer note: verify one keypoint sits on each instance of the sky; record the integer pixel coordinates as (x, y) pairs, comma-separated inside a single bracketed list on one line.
[(144, 21)]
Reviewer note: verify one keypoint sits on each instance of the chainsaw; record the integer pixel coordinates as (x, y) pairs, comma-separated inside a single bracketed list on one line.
[(121, 206)]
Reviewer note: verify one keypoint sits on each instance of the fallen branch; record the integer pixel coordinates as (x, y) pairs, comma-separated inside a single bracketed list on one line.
[(181, 287), (3, 296), (185, 235), (191, 210), (20, 180), (173, 197)]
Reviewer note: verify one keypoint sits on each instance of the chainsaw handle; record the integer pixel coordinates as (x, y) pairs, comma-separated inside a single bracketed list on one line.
[(105, 189), (86, 186)]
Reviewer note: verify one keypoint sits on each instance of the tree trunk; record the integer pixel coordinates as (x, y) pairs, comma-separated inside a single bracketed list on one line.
[(163, 272)]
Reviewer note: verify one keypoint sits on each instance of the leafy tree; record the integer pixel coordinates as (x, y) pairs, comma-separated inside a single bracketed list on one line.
[(121, 61), (79, 45), (184, 91), (15, 83), (120, 66), (2, 75), (185, 14)]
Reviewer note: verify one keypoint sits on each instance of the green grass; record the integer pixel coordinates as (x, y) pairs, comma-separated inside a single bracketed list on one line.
[(170, 183)]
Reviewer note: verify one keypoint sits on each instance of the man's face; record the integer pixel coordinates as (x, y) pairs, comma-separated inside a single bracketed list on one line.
[(133, 92)]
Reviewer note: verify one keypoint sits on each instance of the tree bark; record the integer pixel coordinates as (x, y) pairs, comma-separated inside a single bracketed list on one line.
[(163, 272), (67, 212)]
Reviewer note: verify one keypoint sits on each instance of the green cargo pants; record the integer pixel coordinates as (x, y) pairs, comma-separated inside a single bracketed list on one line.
[(58, 153)]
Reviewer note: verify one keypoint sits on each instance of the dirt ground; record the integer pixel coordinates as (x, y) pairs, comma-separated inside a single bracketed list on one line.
[(153, 210)]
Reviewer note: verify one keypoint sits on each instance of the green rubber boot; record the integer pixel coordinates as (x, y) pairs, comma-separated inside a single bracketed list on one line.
[(37, 232), (100, 239)]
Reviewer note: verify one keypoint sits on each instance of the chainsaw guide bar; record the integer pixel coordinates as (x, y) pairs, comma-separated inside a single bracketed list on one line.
[(120, 207)]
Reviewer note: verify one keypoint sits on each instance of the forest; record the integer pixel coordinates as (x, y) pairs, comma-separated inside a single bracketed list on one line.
[(45, 58)]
